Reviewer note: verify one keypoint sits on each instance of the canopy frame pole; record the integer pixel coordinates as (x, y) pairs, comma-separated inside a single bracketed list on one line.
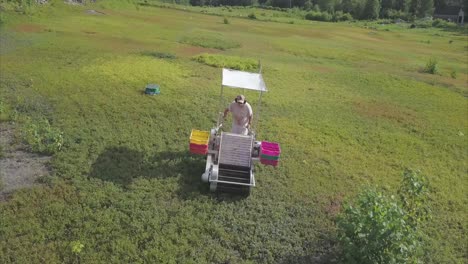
[(220, 114), (256, 121), (256, 124)]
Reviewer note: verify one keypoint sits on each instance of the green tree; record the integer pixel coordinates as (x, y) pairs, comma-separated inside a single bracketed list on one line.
[(402, 5), (386, 5), (354, 7), (327, 5), (372, 9), (426, 8), (308, 5), (347, 6), (421, 8), (440, 4), (414, 6)]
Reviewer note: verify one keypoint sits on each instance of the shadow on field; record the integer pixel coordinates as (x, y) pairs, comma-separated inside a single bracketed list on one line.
[(122, 165)]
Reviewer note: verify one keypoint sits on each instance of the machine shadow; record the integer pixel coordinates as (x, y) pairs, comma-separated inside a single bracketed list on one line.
[(122, 166)]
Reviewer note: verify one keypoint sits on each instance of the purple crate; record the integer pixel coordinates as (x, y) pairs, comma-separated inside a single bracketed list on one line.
[(273, 163), (270, 149)]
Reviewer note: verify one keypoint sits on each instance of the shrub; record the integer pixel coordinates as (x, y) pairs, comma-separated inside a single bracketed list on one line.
[(423, 23), (41, 137), (340, 16), (2, 19), (5, 111), (161, 55), (374, 231), (431, 66), (232, 62), (318, 16), (453, 74), (414, 194), (76, 247), (396, 14), (440, 23), (252, 16), (383, 229), (225, 20)]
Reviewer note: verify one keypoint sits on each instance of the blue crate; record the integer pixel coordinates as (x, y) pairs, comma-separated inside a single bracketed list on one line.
[(152, 89)]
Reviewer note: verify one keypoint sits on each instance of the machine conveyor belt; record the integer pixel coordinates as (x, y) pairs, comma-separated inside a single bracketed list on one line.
[(235, 150)]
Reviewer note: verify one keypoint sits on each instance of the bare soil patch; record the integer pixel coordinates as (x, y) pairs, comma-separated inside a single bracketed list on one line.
[(322, 69), (89, 32), (18, 167), (94, 12), (386, 111), (193, 50), (29, 28)]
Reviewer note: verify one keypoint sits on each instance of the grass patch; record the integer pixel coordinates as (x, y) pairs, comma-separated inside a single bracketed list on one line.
[(159, 55), (231, 62), (209, 40)]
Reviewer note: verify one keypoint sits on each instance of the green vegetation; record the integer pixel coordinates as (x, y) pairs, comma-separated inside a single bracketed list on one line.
[(431, 66), (209, 40), (347, 102), (161, 55), (382, 229), (232, 62), (252, 16), (453, 74), (375, 231), (41, 137), (319, 16), (3, 111), (2, 154), (359, 9)]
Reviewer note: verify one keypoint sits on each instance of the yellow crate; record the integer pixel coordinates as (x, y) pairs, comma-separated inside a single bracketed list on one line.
[(199, 137)]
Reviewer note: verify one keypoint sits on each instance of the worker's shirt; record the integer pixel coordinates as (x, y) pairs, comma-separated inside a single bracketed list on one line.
[(240, 117)]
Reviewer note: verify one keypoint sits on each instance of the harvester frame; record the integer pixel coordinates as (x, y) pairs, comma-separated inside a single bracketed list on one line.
[(230, 158)]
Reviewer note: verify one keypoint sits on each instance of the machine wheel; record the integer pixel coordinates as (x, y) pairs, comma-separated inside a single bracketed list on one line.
[(213, 186), (204, 176), (247, 191)]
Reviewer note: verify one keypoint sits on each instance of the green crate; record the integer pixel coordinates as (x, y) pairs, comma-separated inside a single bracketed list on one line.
[(269, 157), (152, 89)]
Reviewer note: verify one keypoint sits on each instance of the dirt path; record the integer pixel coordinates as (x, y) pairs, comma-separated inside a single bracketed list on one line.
[(18, 168)]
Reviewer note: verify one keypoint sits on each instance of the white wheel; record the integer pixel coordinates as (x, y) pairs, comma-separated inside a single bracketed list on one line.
[(204, 177), (213, 186)]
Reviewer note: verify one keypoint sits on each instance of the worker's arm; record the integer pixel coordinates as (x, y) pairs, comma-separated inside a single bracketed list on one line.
[(225, 112), (250, 116)]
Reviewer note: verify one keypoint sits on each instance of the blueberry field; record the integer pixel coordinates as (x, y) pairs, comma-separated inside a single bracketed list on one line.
[(353, 104)]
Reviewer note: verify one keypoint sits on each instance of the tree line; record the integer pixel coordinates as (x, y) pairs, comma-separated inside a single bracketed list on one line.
[(357, 9)]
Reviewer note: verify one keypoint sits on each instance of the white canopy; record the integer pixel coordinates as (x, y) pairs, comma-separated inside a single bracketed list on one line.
[(241, 79)]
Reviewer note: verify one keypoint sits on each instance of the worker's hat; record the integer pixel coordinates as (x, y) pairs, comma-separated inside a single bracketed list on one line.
[(240, 99)]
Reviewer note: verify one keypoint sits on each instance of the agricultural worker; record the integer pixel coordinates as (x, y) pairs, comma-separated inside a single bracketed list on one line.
[(241, 115)]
